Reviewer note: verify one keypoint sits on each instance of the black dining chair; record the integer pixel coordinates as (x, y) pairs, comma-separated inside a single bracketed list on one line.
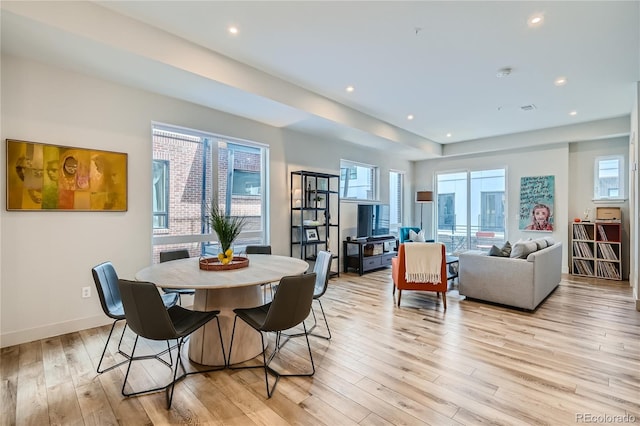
[(169, 255), (149, 318), (106, 280), (290, 306), (322, 268), (265, 249), (261, 249)]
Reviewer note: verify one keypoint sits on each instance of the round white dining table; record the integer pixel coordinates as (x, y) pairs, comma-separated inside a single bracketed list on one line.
[(224, 291)]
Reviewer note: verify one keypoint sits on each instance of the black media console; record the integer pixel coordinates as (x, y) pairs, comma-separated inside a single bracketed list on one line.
[(366, 254)]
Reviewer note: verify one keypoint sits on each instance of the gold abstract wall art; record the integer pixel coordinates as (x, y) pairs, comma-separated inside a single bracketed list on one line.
[(53, 177)]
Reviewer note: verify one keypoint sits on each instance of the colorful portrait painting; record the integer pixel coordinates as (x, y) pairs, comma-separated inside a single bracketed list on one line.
[(52, 177), (536, 203)]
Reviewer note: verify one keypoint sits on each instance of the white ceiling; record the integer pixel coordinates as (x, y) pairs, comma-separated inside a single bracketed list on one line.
[(290, 63)]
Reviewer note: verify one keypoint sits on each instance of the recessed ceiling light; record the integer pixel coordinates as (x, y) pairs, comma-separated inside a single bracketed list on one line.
[(536, 20), (410, 117), (350, 89), (504, 72), (233, 30), (572, 113), (449, 135), (560, 81)]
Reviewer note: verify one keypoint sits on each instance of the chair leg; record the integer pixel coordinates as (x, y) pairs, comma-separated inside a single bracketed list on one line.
[(172, 385), (233, 333), (326, 323), (444, 299), (106, 344), (169, 388), (315, 323), (126, 376), (266, 362), (399, 296), (268, 369), (157, 357)]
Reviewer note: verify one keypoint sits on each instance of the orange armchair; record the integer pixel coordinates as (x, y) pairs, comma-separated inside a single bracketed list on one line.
[(399, 281)]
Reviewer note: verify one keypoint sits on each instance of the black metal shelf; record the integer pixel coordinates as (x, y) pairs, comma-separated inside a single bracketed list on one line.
[(315, 196)]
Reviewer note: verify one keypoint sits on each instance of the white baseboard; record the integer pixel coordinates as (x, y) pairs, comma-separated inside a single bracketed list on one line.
[(50, 330)]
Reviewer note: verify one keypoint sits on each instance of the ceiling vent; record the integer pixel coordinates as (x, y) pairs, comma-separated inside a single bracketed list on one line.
[(529, 107)]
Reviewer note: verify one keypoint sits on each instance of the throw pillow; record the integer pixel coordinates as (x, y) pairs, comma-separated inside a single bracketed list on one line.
[(549, 241), (495, 251), (522, 249), (505, 251), (541, 243), (416, 237)]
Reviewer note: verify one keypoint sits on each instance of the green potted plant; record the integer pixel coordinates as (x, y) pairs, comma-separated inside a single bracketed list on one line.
[(228, 228)]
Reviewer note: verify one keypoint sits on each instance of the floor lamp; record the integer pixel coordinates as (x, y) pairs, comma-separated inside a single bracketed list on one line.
[(421, 198)]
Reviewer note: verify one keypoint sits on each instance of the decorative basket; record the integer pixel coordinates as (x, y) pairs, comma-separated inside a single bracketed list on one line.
[(214, 264)]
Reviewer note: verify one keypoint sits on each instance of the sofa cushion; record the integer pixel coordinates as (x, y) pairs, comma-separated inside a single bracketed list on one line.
[(522, 249), (505, 251)]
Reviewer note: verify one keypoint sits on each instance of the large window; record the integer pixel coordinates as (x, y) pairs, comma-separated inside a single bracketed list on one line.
[(471, 206), (358, 181), (205, 168), (396, 189), (609, 178)]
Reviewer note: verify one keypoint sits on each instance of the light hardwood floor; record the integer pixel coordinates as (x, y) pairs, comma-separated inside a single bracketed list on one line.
[(575, 358)]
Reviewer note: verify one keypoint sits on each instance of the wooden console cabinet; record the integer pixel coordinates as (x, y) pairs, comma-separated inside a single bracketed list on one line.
[(364, 256)]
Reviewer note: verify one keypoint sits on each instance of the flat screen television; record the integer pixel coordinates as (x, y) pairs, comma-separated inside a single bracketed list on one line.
[(373, 219)]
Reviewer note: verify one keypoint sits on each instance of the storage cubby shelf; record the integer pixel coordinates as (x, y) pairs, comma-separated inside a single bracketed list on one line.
[(596, 250)]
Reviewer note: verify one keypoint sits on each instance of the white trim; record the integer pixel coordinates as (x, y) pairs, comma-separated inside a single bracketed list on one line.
[(50, 330), (197, 238)]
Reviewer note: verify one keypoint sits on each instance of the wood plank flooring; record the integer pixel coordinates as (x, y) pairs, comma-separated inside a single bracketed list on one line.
[(576, 358)]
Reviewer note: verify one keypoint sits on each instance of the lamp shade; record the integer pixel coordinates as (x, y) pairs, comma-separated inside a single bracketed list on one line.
[(424, 196)]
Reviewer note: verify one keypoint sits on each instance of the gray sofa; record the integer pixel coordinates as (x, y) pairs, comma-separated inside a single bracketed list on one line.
[(521, 283)]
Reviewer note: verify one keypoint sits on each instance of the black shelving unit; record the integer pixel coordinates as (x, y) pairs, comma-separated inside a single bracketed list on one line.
[(315, 216)]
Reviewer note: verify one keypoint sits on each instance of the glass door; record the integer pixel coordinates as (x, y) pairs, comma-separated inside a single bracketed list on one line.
[(471, 206)]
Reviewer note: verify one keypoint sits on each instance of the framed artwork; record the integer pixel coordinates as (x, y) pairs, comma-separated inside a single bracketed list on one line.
[(53, 177), (311, 234), (537, 203)]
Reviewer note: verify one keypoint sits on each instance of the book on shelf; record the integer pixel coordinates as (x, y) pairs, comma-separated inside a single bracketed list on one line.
[(607, 252), (582, 249), (608, 270), (583, 267), (603, 234), (580, 232)]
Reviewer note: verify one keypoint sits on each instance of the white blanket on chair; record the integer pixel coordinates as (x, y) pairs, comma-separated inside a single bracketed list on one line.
[(423, 262)]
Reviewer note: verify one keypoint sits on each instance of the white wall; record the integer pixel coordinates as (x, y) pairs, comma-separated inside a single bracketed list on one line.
[(581, 174), (47, 256)]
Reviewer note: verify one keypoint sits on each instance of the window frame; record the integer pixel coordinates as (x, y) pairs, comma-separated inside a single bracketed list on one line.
[(597, 178), (374, 172), (166, 198), (467, 187), (399, 199), (206, 237)]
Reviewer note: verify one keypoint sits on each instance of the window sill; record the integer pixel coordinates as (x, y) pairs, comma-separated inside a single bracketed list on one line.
[(609, 200)]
